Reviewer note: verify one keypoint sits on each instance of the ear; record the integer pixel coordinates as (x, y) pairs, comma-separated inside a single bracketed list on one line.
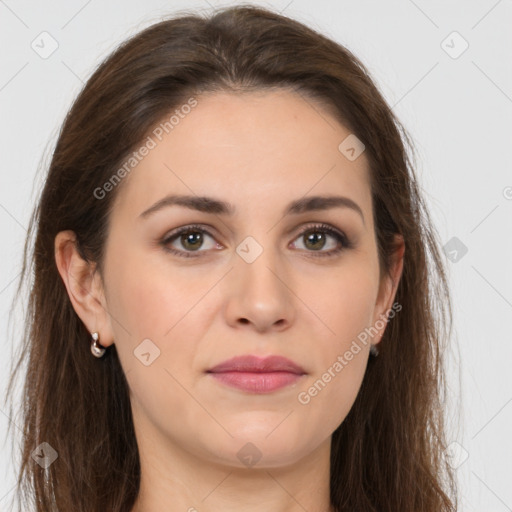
[(84, 287), (388, 287)]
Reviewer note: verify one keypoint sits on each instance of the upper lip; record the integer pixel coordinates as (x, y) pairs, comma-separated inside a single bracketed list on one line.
[(257, 364)]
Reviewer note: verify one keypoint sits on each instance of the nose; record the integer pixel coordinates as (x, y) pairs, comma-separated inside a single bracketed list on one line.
[(260, 294)]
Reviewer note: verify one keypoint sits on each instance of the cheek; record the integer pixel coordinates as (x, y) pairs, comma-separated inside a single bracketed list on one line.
[(149, 304), (344, 303), (149, 299), (152, 305), (331, 393)]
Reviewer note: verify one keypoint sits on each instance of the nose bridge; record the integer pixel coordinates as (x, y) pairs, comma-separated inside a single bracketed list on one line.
[(258, 266), (261, 294)]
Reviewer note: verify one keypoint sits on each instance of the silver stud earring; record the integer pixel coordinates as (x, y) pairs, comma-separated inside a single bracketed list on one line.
[(374, 351), (96, 349)]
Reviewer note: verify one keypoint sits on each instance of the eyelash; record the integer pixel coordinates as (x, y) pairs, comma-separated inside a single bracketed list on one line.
[(340, 237)]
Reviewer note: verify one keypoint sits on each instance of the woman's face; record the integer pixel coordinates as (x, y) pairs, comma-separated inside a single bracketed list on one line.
[(262, 279)]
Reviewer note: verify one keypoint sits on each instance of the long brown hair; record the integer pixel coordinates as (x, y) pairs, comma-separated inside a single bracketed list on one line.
[(388, 454)]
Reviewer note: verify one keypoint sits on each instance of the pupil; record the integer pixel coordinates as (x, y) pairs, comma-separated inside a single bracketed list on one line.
[(315, 238)]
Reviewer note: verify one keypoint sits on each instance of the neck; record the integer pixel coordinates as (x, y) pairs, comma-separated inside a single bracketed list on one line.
[(173, 479)]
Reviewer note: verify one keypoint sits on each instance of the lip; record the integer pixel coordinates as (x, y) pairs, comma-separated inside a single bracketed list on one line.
[(256, 374), (255, 364)]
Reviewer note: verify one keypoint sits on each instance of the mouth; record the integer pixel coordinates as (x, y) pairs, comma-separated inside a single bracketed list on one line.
[(257, 375)]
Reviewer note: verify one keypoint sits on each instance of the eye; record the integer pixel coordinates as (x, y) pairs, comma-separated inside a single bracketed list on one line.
[(316, 238), (191, 239)]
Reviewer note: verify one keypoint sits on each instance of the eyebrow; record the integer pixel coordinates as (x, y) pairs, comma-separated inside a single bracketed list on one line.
[(218, 207)]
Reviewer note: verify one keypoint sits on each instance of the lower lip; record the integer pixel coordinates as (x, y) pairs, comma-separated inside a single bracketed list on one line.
[(257, 382)]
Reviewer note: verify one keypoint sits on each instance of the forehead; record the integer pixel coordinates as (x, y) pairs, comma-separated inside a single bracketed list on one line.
[(271, 146)]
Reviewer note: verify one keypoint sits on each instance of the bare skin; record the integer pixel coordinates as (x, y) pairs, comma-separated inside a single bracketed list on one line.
[(259, 152)]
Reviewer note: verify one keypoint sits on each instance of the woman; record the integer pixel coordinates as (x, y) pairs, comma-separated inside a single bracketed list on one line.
[(238, 300)]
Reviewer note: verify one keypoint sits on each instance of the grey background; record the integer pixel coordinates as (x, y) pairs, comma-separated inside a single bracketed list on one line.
[(458, 108)]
